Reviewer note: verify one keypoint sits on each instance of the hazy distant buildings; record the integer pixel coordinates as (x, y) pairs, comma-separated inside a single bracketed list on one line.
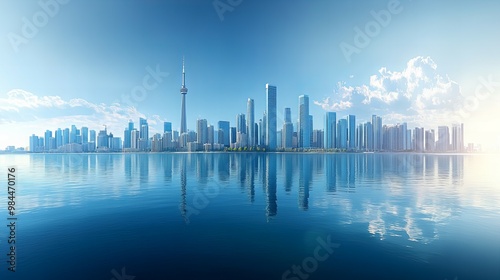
[(443, 142), (457, 137)]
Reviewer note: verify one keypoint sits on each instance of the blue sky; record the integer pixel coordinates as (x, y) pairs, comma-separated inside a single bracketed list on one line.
[(422, 66)]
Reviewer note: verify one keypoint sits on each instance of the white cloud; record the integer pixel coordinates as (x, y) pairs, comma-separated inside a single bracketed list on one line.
[(412, 95), (28, 113)]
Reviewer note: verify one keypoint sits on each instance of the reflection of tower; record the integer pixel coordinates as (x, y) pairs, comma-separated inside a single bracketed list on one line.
[(184, 91), (271, 205), (183, 204)]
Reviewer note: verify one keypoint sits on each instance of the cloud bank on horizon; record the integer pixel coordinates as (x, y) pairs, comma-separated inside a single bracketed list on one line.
[(419, 95)]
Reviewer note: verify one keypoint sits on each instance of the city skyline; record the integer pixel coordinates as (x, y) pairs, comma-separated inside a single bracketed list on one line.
[(344, 135), (109, 74)]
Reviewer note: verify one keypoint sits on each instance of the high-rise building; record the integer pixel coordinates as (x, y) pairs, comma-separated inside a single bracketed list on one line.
[(250, 122), (419, 139), (59, 138), (263, 130), (103, 140), (241, 130), (202, 131), (342, 134), (85, 134), (443, 142), (127, 135), (369, 136), (66, 136), (92, 135), (288, 115), (271, 117), (134, 139), (377, 133), (143, 128), (241, 125), (34, 143), (457, 137), (48, 136), (430, 141), (184, 91), (210, 135), (287, 130), (225, 129), (351, 132), (318, 138), (330, 130), (72, 134), (361, 137), (304, 128), (233, 135), (167, 127)]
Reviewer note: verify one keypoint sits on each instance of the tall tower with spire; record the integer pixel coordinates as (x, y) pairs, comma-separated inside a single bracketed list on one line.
[(184, 91)]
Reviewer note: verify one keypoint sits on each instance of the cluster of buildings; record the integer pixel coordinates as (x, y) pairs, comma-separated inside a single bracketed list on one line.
[(248, 133)]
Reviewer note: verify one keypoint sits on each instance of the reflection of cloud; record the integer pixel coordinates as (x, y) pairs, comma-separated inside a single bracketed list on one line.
[(412, 230), (416, 91)]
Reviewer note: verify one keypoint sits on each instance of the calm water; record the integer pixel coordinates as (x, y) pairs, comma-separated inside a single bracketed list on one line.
[(254, 216)]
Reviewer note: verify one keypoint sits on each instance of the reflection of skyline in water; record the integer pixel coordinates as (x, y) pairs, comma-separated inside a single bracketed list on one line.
[(394, 195)]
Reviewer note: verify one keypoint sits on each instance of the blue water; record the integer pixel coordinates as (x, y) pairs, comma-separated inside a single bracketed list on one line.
[(254, 216)]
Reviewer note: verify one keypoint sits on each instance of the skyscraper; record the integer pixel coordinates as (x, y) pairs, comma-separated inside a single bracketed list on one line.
[(201, 131), (85, 134), (59, 138), (271, 121), (287, 130), (288, 115), (92, 136), (342, 134), (377, 133), (419, 139), (167, 127), (224, 127), (48, 136), (72, 135), (250, 122), (66, 136), (330, 130), (457, 137), (351, 132), (443, 142), (304, 128), (184, 91)]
